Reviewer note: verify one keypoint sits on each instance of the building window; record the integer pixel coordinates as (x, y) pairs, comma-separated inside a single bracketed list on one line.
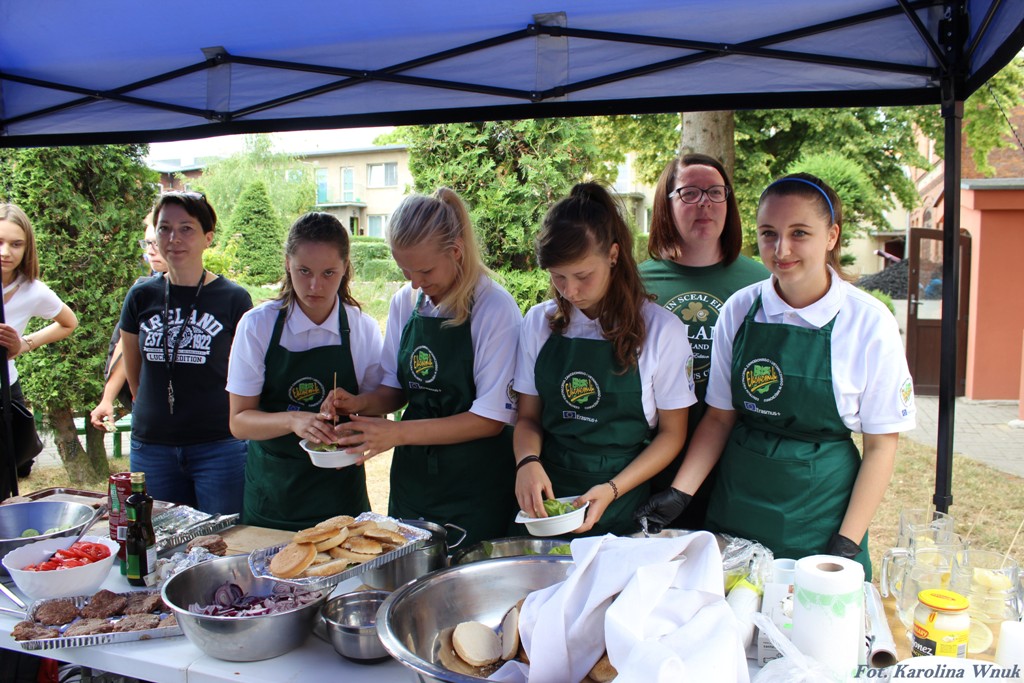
[(321, 186), (348, 184), (382, 175), (377, 225)]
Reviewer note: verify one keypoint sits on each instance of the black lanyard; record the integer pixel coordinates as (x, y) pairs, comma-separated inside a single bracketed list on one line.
[(171, 354)]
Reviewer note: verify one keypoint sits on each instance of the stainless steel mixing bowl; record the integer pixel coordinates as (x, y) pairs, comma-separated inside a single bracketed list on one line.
[(236, 639), (412, 617), (351, 623), (508, 547), (39, 515)]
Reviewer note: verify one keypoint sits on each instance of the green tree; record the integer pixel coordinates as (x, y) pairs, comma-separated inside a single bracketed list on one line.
[(289, 181), (87, 206), (261, 236), (508, 172)]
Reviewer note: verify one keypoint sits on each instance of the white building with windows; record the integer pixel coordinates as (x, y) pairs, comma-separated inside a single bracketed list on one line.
[(362, 187)]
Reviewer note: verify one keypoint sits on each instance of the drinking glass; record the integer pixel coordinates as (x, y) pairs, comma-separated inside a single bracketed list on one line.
[(990, 582)]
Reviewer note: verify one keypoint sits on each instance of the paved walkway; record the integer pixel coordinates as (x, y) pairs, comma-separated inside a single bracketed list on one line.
[(986, 431)]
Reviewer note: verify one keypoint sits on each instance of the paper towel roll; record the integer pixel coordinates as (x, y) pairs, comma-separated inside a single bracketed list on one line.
[(828, 612)]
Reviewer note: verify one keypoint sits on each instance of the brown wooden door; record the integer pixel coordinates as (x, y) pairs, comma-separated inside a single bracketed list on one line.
[(924, 310)]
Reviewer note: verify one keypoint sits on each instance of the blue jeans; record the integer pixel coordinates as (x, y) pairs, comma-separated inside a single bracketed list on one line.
[(208, 476)]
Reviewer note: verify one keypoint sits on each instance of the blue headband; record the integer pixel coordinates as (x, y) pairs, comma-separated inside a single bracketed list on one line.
[(817, 187)]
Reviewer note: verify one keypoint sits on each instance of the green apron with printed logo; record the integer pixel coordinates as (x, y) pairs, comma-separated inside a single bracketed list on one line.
[(283, 488), (469, 484), (593, 421), (789, 465)]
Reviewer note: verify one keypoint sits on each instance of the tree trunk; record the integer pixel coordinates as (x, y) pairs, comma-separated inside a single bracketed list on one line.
[(711, 133), (82, 468)]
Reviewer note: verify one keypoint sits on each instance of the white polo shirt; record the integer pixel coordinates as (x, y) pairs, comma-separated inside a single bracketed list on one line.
[(665, 363), (494, 330), (870, 378), (30, 300), (252, 338)]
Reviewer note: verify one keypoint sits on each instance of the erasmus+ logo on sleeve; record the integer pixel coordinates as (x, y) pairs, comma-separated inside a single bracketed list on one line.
[(423, 364), (581, 391), (762, 379)]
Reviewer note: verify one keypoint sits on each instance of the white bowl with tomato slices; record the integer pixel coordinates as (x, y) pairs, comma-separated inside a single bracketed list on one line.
[(78, 570)]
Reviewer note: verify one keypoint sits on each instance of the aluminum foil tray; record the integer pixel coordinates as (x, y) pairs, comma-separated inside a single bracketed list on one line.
[(99, 638), (259, 559), (210, 524)]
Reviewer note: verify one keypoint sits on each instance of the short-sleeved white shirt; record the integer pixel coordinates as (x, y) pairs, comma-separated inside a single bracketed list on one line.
[(30, 300), (665, 363), (246, 369), (494, 329), (870, 377)]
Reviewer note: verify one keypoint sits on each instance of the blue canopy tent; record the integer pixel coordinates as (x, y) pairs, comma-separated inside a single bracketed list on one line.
[(107, 71)]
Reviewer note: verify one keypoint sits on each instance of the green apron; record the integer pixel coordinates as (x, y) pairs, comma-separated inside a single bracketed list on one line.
[(283, 488), (789, 465), (593, 421), (469, 484)]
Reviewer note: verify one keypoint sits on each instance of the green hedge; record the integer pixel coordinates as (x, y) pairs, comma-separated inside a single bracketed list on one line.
[(640, 247), (378, 270), (527, 287)]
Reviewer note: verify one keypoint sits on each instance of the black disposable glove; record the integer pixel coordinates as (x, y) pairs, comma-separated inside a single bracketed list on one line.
[(662, 509), (841, 546)]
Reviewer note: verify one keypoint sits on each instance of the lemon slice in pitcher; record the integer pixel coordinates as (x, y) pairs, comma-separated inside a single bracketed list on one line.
[(979, 638)]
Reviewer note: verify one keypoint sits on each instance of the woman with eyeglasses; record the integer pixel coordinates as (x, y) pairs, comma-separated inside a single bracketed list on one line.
[(115, 386), (695, 266), (449, 351), (603, 373), (177, 332), (800, 362), (288, 353), (26, 297)]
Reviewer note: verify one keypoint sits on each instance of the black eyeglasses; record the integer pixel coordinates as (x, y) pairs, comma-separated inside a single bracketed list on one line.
[(146, 245), (692, 194)]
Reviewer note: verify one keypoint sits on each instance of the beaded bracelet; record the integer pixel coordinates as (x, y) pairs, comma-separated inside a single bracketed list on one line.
[(615, 489), (527, 460)]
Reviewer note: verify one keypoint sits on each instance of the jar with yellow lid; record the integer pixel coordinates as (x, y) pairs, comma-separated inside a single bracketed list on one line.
[(941, 624)]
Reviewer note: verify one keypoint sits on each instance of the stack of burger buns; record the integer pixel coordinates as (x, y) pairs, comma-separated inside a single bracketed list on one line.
[(334, 545)]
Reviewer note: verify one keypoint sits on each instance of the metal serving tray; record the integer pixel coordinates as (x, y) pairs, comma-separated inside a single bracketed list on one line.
[(181, 524), (100, 638), (259, 559)]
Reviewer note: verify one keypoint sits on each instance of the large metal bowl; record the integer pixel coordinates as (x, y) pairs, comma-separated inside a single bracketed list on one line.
[(507, 547), (39, 515), (236, 639), (411, 619)]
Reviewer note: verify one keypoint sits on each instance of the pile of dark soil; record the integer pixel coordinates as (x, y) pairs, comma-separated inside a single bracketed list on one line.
[(893, 280)]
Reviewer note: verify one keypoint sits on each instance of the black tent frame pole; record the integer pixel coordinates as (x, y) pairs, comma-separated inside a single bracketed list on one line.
[(953, 35)]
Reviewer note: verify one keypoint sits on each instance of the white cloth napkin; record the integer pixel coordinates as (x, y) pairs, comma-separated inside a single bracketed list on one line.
[(656, 604)]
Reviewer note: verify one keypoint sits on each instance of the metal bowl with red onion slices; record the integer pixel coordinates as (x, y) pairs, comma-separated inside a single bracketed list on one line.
[(250, 618)]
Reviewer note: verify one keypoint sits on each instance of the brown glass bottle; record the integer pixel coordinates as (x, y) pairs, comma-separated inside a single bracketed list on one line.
[(140, 540)]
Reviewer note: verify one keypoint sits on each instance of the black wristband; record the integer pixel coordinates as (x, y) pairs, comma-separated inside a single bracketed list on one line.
[(526, 461)]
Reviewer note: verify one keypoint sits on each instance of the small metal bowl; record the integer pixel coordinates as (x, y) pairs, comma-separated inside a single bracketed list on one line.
[(351, 622)]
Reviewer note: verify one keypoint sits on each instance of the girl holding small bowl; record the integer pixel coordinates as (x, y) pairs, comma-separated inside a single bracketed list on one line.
[(604, 375), (287, 355)]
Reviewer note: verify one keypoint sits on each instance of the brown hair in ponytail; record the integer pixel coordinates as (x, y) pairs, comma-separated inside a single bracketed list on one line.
[(589, 221)]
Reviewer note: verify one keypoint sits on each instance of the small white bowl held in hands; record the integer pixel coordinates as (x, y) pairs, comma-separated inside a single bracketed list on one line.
[(338, 458), (555, 526), (58, 583)]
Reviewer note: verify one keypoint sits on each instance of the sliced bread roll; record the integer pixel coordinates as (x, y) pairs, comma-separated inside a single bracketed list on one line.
[(510, 634), (476, 644)]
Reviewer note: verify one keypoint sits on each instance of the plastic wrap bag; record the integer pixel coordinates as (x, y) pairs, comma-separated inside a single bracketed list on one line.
[(746, 559), (794, 666), (168, 567)]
